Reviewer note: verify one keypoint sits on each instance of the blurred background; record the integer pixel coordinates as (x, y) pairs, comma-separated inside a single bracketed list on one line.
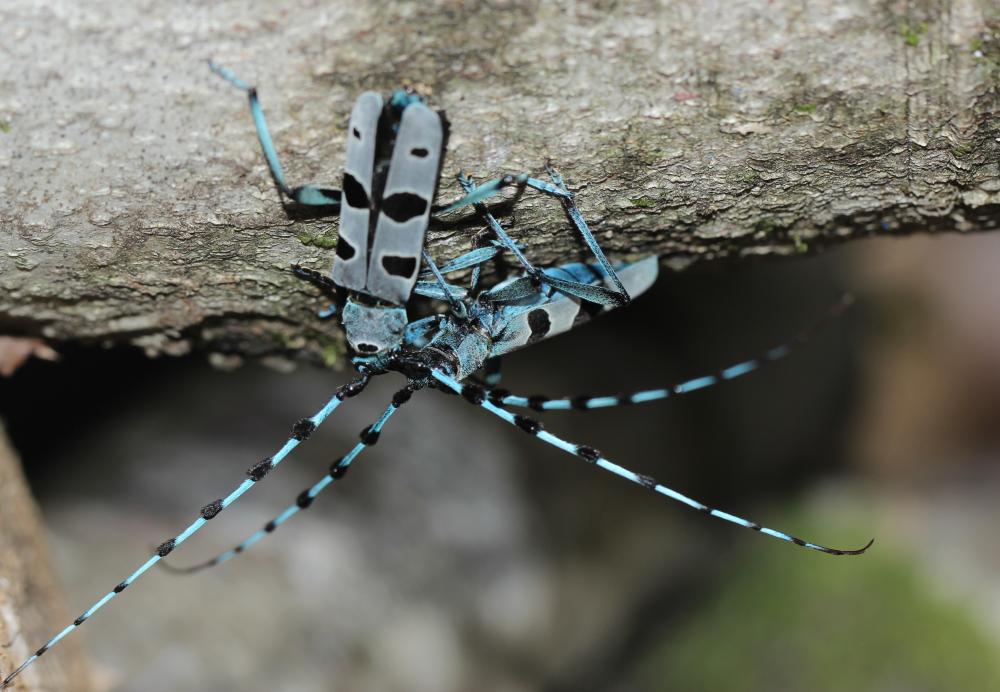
[(460, 554)]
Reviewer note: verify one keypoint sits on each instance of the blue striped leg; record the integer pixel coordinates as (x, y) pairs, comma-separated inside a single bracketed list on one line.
[(369, 436), (477, 273), (590, 292), (483, 192), (483, 253), (300, 431), (493, 187), (450, 293), (469, 185), (473, 259), (502, 397), (306, 195), (485, 250), (446, 291), (431, 282), (566, 197), (477, 395)]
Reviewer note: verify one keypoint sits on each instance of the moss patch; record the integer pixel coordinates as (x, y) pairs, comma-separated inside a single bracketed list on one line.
[(643, 202), (800, 621), (331, 354), (912, 33), (986, 50), (325, 241), (766, 226), (800, 244), (962, 150)]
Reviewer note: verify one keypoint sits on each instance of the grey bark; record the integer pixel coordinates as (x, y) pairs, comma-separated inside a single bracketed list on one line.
[(135, 206), (32, 605)]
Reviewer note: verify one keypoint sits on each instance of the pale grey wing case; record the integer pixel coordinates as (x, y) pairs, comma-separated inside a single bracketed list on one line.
[(558, 312), (350, 266), (405, 206)]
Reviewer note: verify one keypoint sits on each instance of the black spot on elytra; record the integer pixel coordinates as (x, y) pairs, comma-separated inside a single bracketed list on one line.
[(539, 323), (399, 266), (419, 152), (166, 547), (473, 394), (345, 250), (211, 509), (528, 425), (355, 193), (588, 453), (304, 499), (303, 428), (260, 469), (404, 206), (356, 132)]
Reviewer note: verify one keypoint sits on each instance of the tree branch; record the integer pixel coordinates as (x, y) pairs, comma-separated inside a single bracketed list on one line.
[(135, 206)]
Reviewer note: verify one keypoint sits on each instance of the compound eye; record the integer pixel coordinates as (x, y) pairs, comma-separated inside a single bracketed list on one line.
[(367, 348)]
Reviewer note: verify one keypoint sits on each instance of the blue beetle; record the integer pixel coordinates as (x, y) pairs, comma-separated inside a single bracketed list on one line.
[(394, 154)]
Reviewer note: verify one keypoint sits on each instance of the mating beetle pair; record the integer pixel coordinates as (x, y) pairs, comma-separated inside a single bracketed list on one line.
[(394, 153)]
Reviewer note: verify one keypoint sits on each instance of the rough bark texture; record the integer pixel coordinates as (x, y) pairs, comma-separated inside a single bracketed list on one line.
[(135, 206), (31, 604)]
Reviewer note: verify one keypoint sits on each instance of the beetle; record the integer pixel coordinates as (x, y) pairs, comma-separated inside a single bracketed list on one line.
[(395, 149)]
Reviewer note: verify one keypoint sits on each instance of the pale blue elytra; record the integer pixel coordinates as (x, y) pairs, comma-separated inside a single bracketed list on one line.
[(395, 147)]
